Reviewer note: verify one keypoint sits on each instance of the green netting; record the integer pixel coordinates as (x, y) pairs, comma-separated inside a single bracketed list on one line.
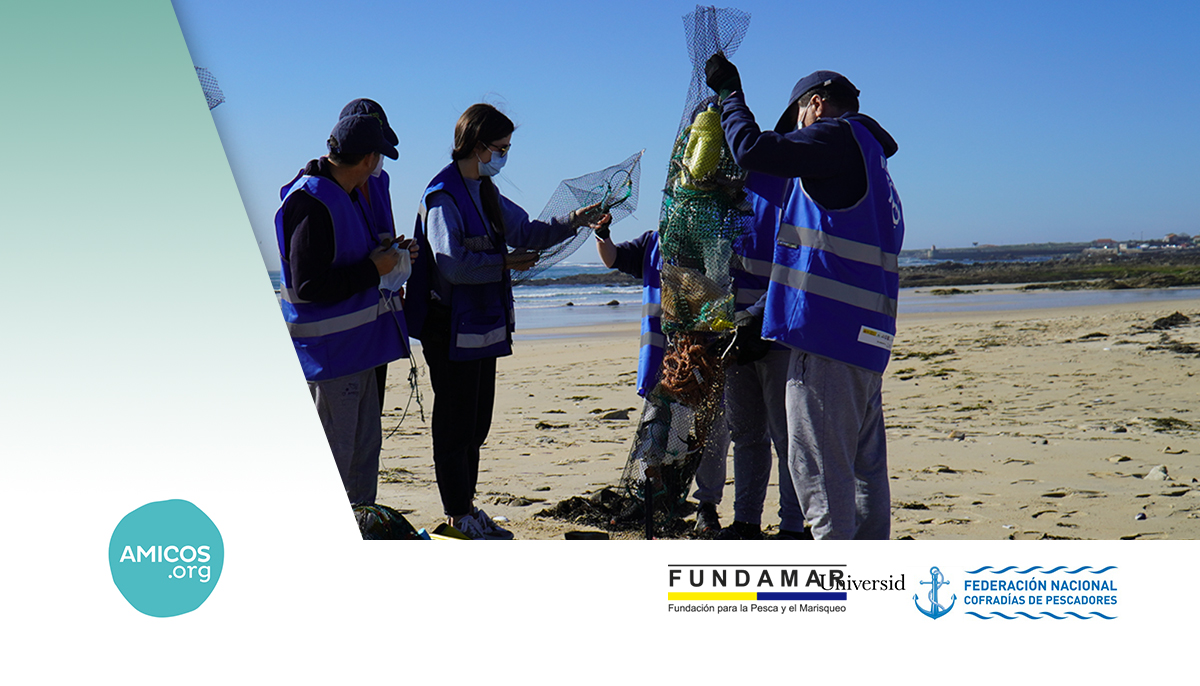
[(704, 210)]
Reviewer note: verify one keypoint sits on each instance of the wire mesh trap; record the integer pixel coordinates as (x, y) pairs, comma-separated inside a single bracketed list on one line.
[(612, 190), (212, 92)]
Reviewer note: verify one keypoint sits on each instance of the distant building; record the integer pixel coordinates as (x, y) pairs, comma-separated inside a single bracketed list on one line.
[(1177, 239)]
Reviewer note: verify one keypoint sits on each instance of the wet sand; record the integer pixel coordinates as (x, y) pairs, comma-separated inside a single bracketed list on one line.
[(1068, 423)]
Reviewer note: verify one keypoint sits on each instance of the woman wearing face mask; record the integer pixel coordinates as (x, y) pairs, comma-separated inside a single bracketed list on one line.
[(459, 302)]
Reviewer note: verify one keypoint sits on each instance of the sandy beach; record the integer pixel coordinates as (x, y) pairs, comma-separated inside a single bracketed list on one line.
[(1068, 423)]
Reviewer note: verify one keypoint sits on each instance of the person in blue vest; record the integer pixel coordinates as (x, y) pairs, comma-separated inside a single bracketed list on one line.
[(642, 259), (834, 284), (375, 196), (341, 324), (755, 383), (459, 302)]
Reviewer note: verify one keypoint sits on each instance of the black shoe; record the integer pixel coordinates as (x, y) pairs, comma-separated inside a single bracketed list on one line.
[(740, 531), (707, 521), (787, 535)]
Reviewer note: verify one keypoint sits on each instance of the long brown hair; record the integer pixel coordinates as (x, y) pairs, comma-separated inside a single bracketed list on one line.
[(482, 123)]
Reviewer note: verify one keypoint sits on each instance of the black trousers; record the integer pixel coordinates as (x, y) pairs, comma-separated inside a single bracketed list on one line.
[(463, 396), (381, 383)]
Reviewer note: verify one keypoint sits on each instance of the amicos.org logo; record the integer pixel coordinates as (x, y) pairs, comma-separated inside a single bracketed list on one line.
[(166, 558)]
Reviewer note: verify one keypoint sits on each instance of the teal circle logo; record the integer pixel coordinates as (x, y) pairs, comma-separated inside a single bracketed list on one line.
[(166, 558)]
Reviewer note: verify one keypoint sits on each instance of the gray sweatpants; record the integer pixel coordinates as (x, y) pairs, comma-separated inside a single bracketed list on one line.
[(349, 410), (837, 449), (755, 407), (710, 473)]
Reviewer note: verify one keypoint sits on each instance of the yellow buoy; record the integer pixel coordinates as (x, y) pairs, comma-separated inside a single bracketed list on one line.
[(704, 144)]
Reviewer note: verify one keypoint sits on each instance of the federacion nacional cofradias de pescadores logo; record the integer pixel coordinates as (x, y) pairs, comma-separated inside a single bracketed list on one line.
[(166, 558)]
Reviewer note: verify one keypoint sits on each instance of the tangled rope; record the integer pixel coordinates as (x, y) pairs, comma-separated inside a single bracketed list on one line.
[(689, 370)]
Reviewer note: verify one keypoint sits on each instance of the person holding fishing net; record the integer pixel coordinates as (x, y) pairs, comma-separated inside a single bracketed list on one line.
[(641, 258), (459, 302), (834, 282)]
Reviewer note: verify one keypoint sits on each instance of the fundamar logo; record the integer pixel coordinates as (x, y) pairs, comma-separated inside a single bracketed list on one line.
[(826, 577)]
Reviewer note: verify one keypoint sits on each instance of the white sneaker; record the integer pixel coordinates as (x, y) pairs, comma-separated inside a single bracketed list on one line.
[(472, 528), (491, 529)]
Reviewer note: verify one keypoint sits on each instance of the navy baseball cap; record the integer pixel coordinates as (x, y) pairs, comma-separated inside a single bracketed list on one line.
[(370, 107), (817, 79), (360, 134)]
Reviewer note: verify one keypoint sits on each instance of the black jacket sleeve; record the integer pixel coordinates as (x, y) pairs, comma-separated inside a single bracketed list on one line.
[(310, 244)]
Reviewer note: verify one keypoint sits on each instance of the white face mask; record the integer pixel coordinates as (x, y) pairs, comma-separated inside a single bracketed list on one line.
[(800, 120), (394, 280), (492, 167), (378, 167)]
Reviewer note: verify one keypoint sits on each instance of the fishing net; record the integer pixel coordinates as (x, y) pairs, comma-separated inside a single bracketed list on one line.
[(704, 209), (613, 190), (212, 92), (382, 523)]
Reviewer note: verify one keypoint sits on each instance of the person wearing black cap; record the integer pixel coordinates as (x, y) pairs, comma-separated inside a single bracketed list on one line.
[(820, 180), (376, 194), (342, 325)]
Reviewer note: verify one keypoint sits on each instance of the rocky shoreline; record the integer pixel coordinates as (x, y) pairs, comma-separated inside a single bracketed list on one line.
[(613, 278), (1163, 269)]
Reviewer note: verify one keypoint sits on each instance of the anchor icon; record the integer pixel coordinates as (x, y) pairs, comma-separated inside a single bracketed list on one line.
[(936, 581)]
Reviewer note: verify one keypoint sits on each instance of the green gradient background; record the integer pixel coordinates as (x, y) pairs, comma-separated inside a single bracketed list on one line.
[(144, 356), (127, 252)]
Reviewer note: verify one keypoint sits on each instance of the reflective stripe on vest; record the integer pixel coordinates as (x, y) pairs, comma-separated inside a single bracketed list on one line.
[(345, 322), (834, 290), (796, 236), (475, 340)]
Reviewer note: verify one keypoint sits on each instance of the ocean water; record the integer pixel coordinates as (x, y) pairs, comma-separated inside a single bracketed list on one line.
[(547, 307), (542, 307)]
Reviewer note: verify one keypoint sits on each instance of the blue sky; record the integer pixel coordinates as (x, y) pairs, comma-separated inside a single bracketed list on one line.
[(1017, 121)]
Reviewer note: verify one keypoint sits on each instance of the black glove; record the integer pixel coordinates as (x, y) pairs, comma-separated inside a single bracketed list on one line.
[(748, 343), (603, 233), (721, 75)]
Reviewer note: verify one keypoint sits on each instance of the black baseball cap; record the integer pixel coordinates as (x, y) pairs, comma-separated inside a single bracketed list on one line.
[(360, 134), (817, 79), (372, 108)]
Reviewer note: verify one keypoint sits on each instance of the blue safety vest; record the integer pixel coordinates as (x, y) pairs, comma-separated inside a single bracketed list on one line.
[(347, 336), (481, 315), (380, 216), (650, 356), (754, 249), (835, 280)]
